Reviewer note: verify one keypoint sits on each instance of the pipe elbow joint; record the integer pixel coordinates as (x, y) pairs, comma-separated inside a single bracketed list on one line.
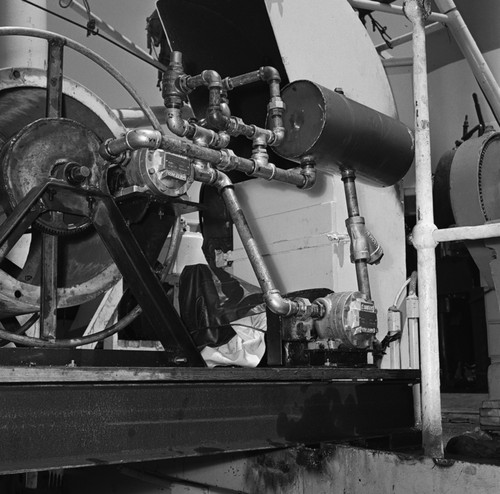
[(142, 138), (176, 124), (309, 173), (277, 137), (217, 119), (279, 305), (212, 79), (111, 149), (221, 180), (269, 74), (227, 161)]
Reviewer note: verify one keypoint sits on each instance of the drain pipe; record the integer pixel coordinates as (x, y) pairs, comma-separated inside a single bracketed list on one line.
[(417, 12)]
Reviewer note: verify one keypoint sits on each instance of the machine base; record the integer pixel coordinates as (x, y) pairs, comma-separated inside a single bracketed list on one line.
[(76, 416)]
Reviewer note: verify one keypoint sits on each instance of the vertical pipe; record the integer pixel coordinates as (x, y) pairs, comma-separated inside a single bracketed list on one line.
[(17, 51), (252, 249), (351, 197), (416, 11), (474, 57)]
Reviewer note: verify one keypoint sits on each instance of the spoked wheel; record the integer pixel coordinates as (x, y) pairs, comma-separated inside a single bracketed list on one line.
[(51, 126)]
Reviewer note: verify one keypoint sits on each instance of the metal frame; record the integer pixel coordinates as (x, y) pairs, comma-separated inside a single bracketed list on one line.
[(123, 248)]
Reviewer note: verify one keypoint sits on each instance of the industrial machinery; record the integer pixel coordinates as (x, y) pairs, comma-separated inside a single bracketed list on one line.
[(87, 201)]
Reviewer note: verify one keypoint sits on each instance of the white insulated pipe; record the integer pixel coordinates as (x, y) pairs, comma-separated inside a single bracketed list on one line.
[(405, 38), (392, 9), (474, 57), (432, 431), (489, 230), (18, 51)]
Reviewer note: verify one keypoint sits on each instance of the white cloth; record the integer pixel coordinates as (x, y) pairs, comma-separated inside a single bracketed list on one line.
[(245, 349)]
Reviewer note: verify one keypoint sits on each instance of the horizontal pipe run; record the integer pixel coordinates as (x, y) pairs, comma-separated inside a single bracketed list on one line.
[(242, 80), (405, 38), (247, 166), (392, 9), (490, 230), (223, 159)]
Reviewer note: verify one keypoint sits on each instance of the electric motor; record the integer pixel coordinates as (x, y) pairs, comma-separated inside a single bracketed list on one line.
[(350, 319)]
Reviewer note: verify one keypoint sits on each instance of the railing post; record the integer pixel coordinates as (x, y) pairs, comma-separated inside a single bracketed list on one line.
[(417, 11)]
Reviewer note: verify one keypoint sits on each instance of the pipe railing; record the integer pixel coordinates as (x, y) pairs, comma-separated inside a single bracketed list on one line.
[(425, 235), (417, 11), (477, 232), (393, 9), (405, 38)]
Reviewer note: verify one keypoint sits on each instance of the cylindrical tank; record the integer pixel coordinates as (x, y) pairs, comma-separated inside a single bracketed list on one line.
[(338, 132)]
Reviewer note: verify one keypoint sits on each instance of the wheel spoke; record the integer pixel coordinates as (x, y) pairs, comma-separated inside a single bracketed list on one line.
[(54, 78), (48, 295)]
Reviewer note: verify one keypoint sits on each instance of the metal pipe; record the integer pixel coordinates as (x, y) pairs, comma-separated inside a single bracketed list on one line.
[(405, 38), (176, 85), (473, 55), (362, 278), (355, 228), (392, 9), (351, 196), (417, 11), (222, 120), (272, 296), (223, 159), (489, 230)]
